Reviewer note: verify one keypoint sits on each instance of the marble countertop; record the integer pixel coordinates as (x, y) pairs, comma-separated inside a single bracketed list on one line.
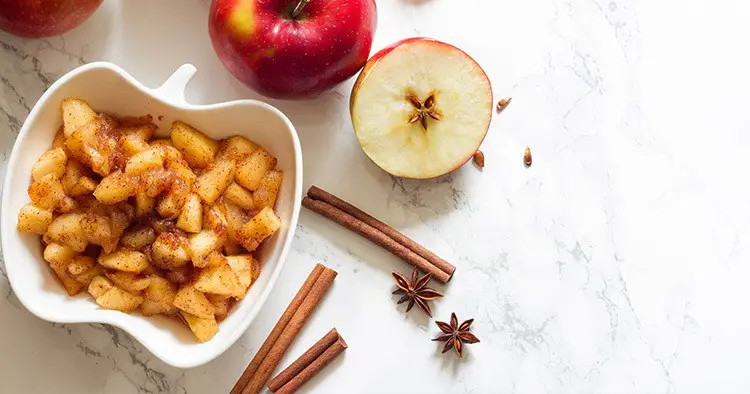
[(617, 263)]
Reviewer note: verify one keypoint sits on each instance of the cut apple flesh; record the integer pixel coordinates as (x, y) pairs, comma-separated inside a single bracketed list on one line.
[(391, 98)]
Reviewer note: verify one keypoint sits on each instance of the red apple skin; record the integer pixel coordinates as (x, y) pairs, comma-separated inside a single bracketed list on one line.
[(280, 57), (379, 55), (45, 18)]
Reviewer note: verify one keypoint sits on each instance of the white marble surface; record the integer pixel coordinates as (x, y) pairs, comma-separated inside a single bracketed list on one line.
[(617, 263)]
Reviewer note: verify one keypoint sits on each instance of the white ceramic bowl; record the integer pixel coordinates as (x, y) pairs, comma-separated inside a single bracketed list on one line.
[(110, 89)]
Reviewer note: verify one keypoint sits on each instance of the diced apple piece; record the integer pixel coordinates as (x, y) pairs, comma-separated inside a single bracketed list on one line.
[(151, 308), (181, 170), (99, 285), (252, 168), (242, 265), (66, 229), (97, 227), (138, 237), (67, 205), (236, 148), (85, 185), (240, 196), (75, 113), (120, 217), (135, 139), (88, 276), (170, 251), (144, 204), (155, 182), (80, 264), (165, 226), (216, 259), (260, 227), (192, 301), (202, 244), (213, 182), (128, 281), (222, 305), (171, 205), (180, 275), (203, 328), (78, 149), (198, 149), (58, 253), (131, 145), (232, 248), (92, 144), (51, 162), (191, 218), (120, 300), (124, 260), (170, 152), (214, 219), (160, 295), (265, 195), (235, 218), (72, 287), (143, 161), (115, 187), (143, 129), (59, 140), (162, 142), (47, 191), (34, 219), (219, 280), (72, 172)]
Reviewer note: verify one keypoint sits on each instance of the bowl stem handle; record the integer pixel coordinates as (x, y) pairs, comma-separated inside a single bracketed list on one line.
[(173, 89)]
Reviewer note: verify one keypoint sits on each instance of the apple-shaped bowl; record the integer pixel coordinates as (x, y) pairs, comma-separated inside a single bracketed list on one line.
[(110, 89)]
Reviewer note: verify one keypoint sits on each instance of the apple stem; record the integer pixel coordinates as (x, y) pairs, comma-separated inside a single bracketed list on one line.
[(298, 9)]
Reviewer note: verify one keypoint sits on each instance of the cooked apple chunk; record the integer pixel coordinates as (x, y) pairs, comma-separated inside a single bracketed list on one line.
[(198, 149), (260, 227)]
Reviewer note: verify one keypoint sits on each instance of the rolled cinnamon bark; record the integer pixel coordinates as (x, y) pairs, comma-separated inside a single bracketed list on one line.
[(304, 360), (318, 290), (314, 367), (376, 236), (286, 329), (319, 194)]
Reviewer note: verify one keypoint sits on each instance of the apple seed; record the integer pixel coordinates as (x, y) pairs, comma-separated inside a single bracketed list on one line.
[(503, 103), (527, 157), (479, 158), (424, 109)]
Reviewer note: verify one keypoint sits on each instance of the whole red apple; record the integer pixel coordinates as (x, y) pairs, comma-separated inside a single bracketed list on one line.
[(292, 48), (44, 18)]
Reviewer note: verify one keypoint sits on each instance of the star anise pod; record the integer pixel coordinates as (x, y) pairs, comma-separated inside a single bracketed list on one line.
[(455, 336), (415, 291), (423, 109)]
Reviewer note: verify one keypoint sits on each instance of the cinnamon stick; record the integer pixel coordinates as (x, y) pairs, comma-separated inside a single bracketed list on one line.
[(376, 236), (314, 365), (304, 360), (286, 329), (317, 193)]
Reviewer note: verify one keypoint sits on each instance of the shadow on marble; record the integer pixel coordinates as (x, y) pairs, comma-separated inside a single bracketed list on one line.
[(430, 198), (415, 315), (449, 361)]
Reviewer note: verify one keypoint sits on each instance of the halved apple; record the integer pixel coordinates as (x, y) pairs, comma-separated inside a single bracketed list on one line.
[(421, 108)]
